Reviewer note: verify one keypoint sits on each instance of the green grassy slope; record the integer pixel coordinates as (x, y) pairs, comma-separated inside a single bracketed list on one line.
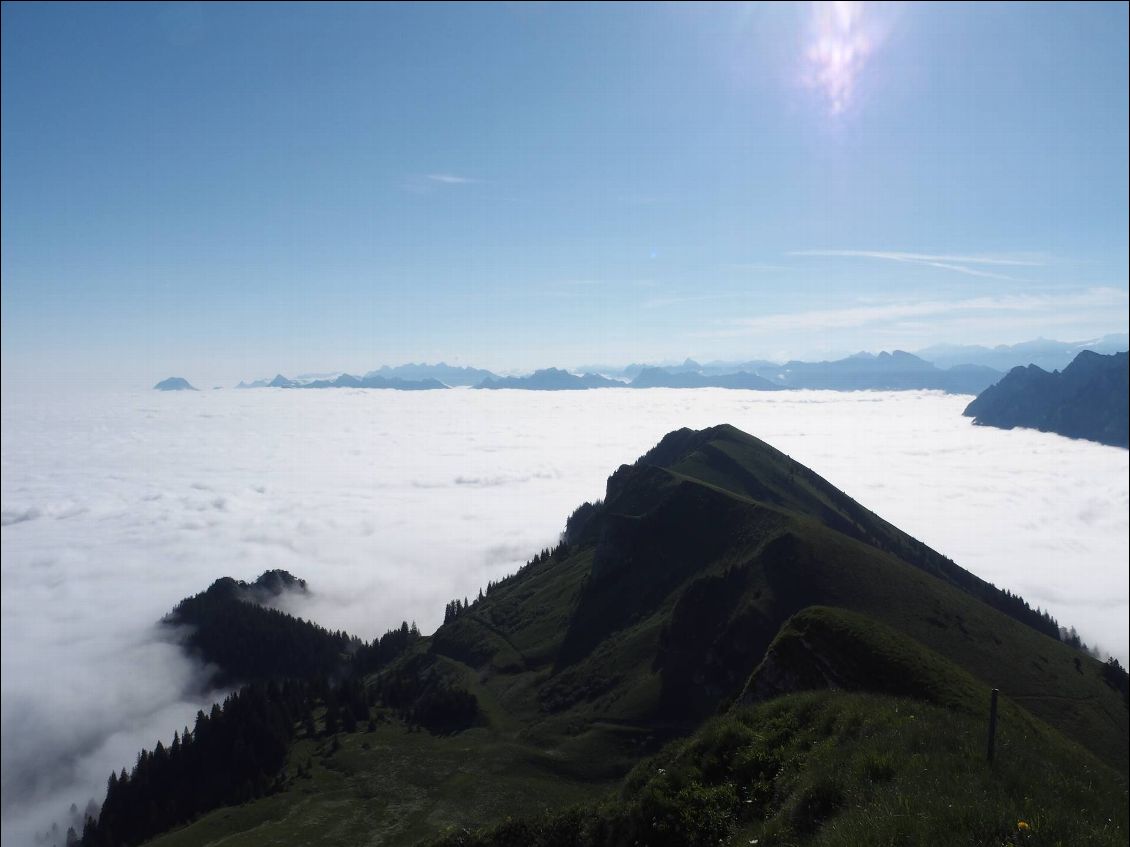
[(653, 618), (843, 769), (904, 764), (683, 579), (390, 786)]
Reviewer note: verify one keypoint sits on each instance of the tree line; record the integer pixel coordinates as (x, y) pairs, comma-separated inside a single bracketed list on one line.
[(231, 755), (251, 642), (237, 751)]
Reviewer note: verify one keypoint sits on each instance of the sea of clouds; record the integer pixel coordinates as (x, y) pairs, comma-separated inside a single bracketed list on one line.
[(115, 506)]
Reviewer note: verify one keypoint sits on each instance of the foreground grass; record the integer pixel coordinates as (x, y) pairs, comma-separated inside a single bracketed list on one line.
[(389, 786), (846, 769)]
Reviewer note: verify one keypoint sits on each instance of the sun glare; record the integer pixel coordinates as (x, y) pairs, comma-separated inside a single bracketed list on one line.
[(842, 38)]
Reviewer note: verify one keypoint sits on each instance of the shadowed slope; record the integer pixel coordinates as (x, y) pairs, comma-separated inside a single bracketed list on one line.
[(1088, 399), (674, 586)]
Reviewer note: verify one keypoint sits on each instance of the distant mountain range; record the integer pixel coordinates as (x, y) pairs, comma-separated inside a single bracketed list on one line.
[(1088, 399), (551, 379), (1043, 352), (347, 381), (897, 371), (950, 368), (445, 373), (714, 368), (679, 378)]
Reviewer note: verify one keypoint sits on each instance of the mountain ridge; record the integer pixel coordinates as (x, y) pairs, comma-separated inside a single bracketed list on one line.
[(709, 560), (1047, 353), (953, 368), (1088, 399), (550, 379)]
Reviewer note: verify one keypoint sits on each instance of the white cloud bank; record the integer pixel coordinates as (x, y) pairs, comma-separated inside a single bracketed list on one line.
[(392, 503)]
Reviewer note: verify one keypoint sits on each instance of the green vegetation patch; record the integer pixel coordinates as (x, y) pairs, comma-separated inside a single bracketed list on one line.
[(833, 768), (389, 786)]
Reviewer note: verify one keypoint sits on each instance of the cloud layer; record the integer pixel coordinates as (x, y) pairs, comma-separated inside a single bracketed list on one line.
[(392, 503), (996, 310)]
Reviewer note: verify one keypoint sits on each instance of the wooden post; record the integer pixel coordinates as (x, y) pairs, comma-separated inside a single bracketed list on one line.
[(992, 725)]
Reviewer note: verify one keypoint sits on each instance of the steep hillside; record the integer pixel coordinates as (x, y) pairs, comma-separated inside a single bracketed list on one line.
[(672, 589), (784, 767), (1089, 399)]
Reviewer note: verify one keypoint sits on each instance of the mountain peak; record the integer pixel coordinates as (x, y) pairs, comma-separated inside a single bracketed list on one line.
[(680, 443), (174, 383), (1087, 399)]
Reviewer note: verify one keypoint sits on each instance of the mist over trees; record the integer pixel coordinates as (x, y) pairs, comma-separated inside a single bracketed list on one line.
[(237, 751), (231, 755), (248, 641)]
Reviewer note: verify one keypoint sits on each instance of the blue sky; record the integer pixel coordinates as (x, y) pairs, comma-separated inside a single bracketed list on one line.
[(226, 191)]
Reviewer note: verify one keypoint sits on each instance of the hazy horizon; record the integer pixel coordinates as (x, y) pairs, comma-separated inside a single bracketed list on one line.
[(24, 381)]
